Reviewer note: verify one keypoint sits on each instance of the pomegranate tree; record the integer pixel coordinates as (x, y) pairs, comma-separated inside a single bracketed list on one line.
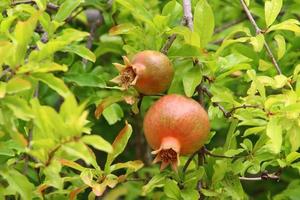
[(175, 125), (150, 72)]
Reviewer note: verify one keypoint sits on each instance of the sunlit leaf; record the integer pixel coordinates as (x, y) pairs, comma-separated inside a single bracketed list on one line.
[(119, 145), (272, 9), (204, 22)]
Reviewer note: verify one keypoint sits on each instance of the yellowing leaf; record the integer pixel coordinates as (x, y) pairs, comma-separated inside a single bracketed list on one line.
[(274, 132), (281, 46), (272, 9), (17, 84), (290, 25), (257, 42), (22, 36)]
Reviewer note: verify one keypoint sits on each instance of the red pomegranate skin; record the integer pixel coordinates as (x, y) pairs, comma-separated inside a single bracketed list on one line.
[(154, 72), (179, 117)]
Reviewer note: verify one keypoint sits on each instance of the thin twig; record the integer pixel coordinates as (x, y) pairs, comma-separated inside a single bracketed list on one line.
[(168, 44), (4, 72), (186, 165), (229, 24), (259, 31), (216, 104), (263, 176)]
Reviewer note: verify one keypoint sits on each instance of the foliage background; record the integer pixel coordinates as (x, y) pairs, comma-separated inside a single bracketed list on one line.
[(56, 59)]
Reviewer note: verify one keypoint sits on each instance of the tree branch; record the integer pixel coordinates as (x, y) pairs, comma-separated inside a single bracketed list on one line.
[(259, 31), (264, 176), (229, 24), (187, 14), (168, 44)]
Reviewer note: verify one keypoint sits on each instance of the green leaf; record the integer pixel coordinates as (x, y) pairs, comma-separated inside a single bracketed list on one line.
[(281, 46), (274, 131), (171, 189), (253, 130), (42, 4), (22, 35), (41, 67), (272, 9), (290, 25), (257, 42), (264, 65), (18, 182), (132, 165), (113, 113), (191, 80), (2, 89), (189, 194), (233, 152), (204, 22), (157, 180), (119, 145), (81, 51), (294, 138), (85, 79), (66, 8), (52, 174), (80, 151), (19, 107), (292, 192), (53, 82), (292, 157), (17, 84), (97, 142)]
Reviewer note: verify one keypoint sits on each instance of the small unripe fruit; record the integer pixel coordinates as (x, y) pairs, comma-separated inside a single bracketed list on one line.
[(175, 125), (150, 72)]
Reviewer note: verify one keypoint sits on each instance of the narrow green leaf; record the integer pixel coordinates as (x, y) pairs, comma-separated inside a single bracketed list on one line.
[(22, 35), (80, 151), (272, 9), (133, 165), (274, 131), (191, 80), (42, 4), (292, 157), (53, 82), (281, 46), (290, 25), (2, 89), (66, 8), (204, 22), (19, 107), (119, 145), (17, 84), (97, 142), (81, 51), (85, 79)]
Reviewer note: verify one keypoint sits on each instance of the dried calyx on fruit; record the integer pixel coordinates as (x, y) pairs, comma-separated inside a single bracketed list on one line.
[(175, 125), (150, 72)]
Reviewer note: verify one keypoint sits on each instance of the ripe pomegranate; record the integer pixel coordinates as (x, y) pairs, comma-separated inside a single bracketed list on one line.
[(150, 72), (175, 125)]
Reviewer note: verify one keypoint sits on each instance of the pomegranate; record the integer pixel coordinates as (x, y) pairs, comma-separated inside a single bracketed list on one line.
[(175, 125), (150, 72)]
